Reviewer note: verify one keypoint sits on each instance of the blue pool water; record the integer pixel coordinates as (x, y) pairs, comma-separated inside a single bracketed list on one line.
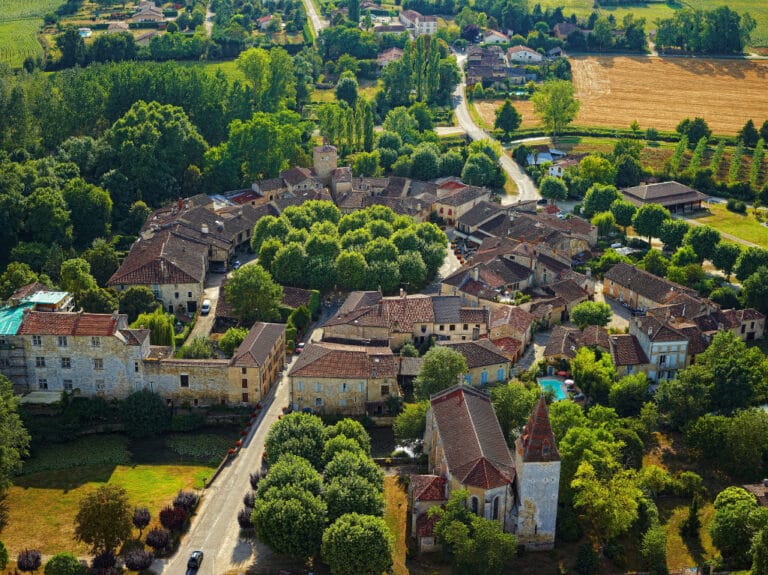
[(555, 385)]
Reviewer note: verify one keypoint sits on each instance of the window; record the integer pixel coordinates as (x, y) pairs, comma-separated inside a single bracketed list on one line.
[(452, 327), (100, 385), (752, 325), (39, 362), (662, 359), (68, 385), (245, 397), (37, 340), (62, 340), (466, 327), (344, 387), (475, 505), (135, 367), (342, 403), (442, 328), (318, 387), (384, 390), (98, 364), (318, 402), (743, 328), (360, 387), (195, 402), (495, 507), (299, 386), (42, 383), (184, 380), (66, 363), (189, 294), (176, 295), (244, 383), (244, 370), (545, 449), (95, 341)]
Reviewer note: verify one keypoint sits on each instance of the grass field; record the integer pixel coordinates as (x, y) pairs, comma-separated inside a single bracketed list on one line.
[(19, 22), (659, 92), (486, 110), (396, 516), (653, 10), (745, 227), (39, 509)]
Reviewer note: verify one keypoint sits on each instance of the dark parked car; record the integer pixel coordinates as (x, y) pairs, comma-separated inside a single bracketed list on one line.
[(195, 560)]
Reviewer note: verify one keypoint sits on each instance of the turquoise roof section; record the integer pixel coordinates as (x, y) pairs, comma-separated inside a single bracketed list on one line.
[(10, 318), (47, 297)]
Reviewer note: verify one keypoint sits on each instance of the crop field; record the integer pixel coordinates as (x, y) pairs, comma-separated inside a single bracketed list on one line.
[(486, 109), (659, 92), (652, 10), (19, 22)]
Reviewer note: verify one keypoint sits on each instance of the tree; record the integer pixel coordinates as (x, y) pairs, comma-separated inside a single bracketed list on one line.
[(160, 326), (672, 232), (141, 519), (64, 564), (477, 544), (655, 263), (158, 539), (352, 495), (629, 394), (555, 105), (144, 414), (594, 374), (253, 294), (173, 518), (138, 559), (338, 444), (137, 300), (553, 189), (348, 463), (16, 275), (411, 422), (725, 256), (290, 264), (354, 430), (48, 219), (694, 130), (623, 212), (90, 210), (29, 560), (749, 260), (598, 170), (199, 348), (481, 170), (508, 119), (654, 550), (629, 171), (735, 523), (725, 297), (3, 556), (513, 404), (103, 260), (290, 470), (299, 433), (755, 290), (72, 46), (703, 240), (748, 134), (649, 218), (760, 552), (14, 439), (610, 505), (605, 223), (346, 90), (231, 340), (290, 521), (441, 369), (599, 198), (76, 276), (425, 162), (358, 544), (103, 519), (591, 313)]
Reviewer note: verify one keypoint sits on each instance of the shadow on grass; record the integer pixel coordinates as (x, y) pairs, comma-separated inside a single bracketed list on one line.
[(695, 547), (65, 479)]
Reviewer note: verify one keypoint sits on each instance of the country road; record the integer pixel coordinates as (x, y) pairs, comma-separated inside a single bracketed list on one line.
[(526, 189), (318, 23)]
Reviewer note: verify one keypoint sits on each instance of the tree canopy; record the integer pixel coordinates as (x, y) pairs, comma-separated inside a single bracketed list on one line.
[(441, 369), (103, 519)]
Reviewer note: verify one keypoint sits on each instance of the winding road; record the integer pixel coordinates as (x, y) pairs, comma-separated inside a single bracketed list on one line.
[(526, 189)]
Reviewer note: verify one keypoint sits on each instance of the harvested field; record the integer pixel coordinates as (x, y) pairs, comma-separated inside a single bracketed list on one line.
[(659, 92), (487, 111)]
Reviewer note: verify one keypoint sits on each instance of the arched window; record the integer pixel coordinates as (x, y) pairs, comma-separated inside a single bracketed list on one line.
[(475, 504), (496, 507)]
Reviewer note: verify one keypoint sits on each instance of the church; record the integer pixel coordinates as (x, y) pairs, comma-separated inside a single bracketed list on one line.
[(467, 450)]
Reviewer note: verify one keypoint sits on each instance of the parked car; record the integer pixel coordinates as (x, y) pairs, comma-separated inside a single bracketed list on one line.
[(236, 265), (300, 347), (206, 307), (195, 559)]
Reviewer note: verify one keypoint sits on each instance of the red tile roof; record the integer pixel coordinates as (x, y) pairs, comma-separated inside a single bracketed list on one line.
[(479, 353), (257, 345), (425, 524), (537, 442), (69, 323), (509, 346), (514, 316), (472, 440), (428, 487), (626, 350), (333, 360)]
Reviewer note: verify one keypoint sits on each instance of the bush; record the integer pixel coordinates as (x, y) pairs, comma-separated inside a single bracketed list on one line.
[(187, 422), (255, 478), (248, 499), (244, 518), (736, 206), (106, 560), (3, 556), (141, 518), (29, 560), (158, 539), (138, 560), (587, 560), (64, 564), (186, 500), (144, 414), (173, 518)]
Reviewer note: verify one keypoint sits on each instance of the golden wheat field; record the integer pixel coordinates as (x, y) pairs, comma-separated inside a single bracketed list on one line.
[(487, 111), (659, 92)]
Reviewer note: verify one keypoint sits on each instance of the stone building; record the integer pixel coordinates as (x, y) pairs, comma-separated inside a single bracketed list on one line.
[(257, 363), (486, 363)]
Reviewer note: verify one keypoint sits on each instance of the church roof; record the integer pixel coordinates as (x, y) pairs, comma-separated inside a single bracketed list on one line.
[(538, 440)]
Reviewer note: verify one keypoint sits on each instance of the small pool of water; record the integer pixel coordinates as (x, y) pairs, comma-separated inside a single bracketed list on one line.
[(556, 386)]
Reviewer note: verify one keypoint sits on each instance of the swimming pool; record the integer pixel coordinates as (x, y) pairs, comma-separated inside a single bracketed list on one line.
[(556, 386)]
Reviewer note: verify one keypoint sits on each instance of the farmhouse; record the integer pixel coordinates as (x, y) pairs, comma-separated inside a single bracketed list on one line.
[(639, 289), (485, 362), (467, 450), (523, 55), (495, 37), (676, 197)]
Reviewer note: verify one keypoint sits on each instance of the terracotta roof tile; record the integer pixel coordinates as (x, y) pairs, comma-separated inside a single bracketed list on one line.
[(514, 316), (70, 323), (626, 350), (644, 283), (509, 346), (428, 487), (257, 345), (537, 442), (337, 361), (479, 353)]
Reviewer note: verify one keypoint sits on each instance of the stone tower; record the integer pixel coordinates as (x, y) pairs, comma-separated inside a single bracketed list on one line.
[(537, 462), (325, 161)]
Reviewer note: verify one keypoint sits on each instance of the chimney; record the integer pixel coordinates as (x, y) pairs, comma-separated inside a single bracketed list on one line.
[(650, 331), (180, 203), (204, 229), (476, 274)]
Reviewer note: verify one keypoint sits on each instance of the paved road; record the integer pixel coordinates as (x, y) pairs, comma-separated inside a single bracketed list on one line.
[(318, 23), (208, 20), (526, 189)]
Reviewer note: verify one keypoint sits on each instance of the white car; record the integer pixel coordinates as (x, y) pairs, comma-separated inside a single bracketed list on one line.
[(206, 308)]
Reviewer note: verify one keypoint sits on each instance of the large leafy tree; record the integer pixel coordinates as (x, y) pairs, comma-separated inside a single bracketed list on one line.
[(48, 218), (629, 394), (358, 544), (90, 210), (159, 324), (623, 211), (253, 294), (16, 275), (725, 256), (301, 434), (442, 368), (508, 119), (14, 439), (103, 259), (513, 404), (704, 241), (352, 494), (411, 422), (553, 189), (591, 313), (348, 463), (672, 232), (144, 414), (103, 519), (594, 374), (76, 276), (648, 220), (292, 470), (137, 300), (599, 198), (555, 105), (737, 519), (755, 289), (352, 429), (749, 260)]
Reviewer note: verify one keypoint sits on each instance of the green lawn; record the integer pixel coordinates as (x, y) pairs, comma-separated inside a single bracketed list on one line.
[(745, 227), (40, 507), (653, 10)]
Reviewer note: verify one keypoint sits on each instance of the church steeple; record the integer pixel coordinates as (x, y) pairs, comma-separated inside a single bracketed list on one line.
[(538, 440)]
